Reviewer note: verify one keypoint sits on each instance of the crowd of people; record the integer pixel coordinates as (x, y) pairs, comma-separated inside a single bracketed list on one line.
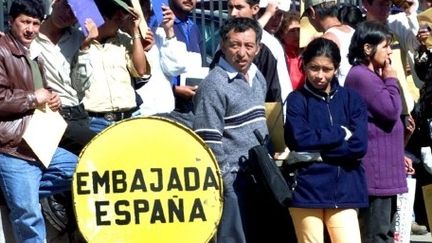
[(356, 105)]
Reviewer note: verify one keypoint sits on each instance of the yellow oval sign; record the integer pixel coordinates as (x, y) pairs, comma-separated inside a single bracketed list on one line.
[(147, 180)]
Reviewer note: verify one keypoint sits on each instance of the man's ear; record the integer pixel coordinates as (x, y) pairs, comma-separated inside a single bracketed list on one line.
[(258, 48), (365, 4), (367, 49), (255, 9), (312, 13), (221, 46)]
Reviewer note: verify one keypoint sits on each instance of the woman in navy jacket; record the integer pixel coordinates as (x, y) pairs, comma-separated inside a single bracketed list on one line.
[(326, 130)]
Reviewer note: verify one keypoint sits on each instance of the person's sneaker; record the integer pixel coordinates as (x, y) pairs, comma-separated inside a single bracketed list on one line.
[(417, 229)]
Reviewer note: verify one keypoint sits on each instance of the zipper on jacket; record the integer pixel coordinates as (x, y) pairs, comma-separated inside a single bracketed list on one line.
[(328, 109), (337, 182)]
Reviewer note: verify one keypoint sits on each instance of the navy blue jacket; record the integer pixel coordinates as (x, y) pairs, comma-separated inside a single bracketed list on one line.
[(314, 123)]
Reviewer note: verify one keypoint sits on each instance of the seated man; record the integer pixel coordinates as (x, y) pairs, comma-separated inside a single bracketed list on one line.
[(23, 178), (56, 44)]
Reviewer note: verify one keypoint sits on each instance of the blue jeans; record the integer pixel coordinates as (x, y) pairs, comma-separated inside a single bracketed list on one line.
[(24, 182), (251, 214), (97, 124), (230, 228)]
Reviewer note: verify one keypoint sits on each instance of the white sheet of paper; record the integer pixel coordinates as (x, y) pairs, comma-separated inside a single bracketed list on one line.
[(43, 133), (198, 73), (143, 24), (284, 5)]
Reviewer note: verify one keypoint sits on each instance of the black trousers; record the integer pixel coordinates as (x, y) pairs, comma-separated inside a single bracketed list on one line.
[(377, 221), (78, 133)]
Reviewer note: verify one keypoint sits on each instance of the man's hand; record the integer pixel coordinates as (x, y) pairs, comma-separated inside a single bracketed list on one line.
[(272, 7), (54, 103), (423, 33), (93, 33), (43, 96), (168, 21), (409, 169), (409, 128), (270, 11), (410, 6), (185, 92), (148, 41), (133, 21)]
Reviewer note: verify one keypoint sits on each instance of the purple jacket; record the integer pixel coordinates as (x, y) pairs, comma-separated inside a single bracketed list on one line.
[(384, 160)]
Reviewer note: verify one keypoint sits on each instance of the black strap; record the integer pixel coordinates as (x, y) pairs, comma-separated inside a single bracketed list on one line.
[(262, 140)]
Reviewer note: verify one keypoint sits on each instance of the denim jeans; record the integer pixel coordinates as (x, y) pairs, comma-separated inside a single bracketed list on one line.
[(231, 224), (98, 124), (24, 182), (251, 214)]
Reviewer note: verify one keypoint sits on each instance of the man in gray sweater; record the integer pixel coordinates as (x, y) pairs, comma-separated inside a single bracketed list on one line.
[(229, 106)]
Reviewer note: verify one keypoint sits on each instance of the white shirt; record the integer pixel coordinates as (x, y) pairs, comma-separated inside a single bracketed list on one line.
[(232, 72), (168, 58), (102, 75), (344, 43), (406, 28), (57, 61), (278, 52)]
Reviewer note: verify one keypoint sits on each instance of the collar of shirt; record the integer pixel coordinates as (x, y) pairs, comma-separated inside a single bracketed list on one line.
[(185, 28), (179, 21), (43, 38), (233, 73), (25, 50)]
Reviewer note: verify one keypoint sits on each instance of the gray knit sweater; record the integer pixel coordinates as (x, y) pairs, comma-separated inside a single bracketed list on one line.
[(227, 111)]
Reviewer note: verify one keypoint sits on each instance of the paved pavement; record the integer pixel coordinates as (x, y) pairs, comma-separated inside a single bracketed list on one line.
[(54, 236), (421, 238)]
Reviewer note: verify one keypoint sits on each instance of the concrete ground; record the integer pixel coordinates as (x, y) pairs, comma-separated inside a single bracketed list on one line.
[(421, 238), (54, 236)]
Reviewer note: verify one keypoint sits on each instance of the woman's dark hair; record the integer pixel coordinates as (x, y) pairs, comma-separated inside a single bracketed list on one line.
[(350, 14), (287, 19), (322, 47), (241, 25), (32, 8), (368, 32)]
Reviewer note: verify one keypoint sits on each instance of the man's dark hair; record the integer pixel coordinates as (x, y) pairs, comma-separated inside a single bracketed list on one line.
[(252, 2), (368, 32), (108, 8), (325, 9), (287, 19), (239, 25), (32, 8), (350, 14)]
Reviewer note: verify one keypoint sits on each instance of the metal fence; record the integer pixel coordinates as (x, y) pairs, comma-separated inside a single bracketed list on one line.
[(209, 15)]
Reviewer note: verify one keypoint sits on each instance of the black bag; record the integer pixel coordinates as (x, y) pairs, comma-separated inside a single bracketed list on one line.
[(265, 171)]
